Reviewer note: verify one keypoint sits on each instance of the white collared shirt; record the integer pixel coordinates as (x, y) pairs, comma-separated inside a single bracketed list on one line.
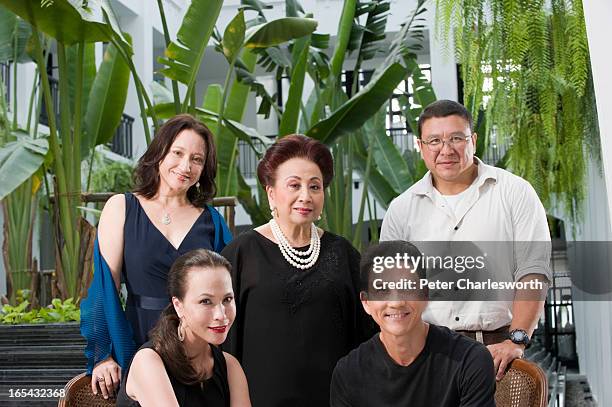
[(499, 206)]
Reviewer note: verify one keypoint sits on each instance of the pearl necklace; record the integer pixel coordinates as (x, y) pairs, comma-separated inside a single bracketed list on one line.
[(293, 256)]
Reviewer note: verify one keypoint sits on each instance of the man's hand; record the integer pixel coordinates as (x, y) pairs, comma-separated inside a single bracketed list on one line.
[(503, 354)]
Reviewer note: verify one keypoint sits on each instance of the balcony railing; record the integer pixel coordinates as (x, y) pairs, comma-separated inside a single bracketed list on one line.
[(44, 118), (122, 141), (247, 159), (5, 73)]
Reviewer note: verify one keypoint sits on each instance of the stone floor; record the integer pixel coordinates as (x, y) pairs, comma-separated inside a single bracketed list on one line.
[(578, 392)]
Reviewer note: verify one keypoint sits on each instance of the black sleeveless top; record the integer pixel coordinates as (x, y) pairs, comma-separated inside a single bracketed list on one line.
[(214, 392), (147, 258)]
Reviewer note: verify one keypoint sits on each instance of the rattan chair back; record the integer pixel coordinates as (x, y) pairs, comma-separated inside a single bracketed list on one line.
[(78, 394), (524, 385)]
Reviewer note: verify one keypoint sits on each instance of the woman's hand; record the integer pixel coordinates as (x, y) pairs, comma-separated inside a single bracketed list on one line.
[(106, 375)]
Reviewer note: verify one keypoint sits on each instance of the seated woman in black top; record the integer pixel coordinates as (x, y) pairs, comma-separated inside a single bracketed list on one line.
[(182, 364), (410, 363)]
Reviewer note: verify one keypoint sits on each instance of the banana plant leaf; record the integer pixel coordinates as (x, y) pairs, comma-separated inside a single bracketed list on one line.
[(233, 37), (89, 74), (19, 160), (278, 31), (65, 20), (378, 185), (423, 94), (106, 100), (163, 102), (355, 112), (184, 55), (291, 115), (211, 105), (387, 156), (14, 35)]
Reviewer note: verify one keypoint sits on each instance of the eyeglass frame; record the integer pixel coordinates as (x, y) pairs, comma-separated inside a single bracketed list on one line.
[(452, 144)]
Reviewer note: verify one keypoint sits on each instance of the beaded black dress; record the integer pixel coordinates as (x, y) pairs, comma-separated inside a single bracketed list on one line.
[(293, 325)]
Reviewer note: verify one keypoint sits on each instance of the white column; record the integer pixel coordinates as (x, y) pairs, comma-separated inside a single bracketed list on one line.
[(598, 14), (141, 30), (442, 61)]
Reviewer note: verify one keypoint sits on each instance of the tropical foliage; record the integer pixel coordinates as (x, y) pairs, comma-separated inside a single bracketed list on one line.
[(527, 65), (90, 107), (91, 100), (58, 311)]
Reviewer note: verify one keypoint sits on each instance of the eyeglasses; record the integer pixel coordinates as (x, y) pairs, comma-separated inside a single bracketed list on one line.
[(436, 143)]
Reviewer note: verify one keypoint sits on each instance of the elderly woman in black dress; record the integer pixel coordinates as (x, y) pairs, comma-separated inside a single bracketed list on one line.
[(296, 285)]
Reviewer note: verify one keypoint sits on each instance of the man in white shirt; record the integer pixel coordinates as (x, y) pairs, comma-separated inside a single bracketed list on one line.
[(463, 199)]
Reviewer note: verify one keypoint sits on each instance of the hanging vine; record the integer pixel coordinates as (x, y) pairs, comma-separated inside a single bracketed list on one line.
[(525, 64)]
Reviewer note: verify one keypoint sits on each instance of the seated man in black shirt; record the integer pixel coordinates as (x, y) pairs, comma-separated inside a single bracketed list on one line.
[(410, 362)]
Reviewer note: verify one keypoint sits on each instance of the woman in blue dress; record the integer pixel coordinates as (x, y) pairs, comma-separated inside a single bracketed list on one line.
[(140, 235)]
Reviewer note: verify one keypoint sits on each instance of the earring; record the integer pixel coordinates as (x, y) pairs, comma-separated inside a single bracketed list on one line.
[(198, 184), (181, 331), (319, 217), (274, 212)]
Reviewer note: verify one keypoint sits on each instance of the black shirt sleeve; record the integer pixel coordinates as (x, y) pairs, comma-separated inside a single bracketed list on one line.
[(338, 395), (477, 385)]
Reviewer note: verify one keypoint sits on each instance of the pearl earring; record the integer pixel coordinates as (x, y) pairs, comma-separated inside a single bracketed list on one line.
[(274, 212), (198, 184)]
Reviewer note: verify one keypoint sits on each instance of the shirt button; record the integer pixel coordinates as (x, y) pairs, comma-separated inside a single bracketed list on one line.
[(456, 318), (298, 283)]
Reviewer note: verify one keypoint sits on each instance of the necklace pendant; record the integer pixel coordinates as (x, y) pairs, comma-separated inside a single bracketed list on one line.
[(166, 219)]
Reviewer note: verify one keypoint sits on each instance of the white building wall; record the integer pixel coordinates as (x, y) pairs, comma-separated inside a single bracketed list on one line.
[(593, 322)]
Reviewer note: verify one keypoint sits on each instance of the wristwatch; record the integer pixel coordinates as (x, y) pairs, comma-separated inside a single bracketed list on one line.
[(519, 336)]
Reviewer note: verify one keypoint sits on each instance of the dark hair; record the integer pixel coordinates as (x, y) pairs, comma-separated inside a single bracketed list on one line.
[(386, 249), (146, 174), (295, 146), (444, 108), (164, 335)]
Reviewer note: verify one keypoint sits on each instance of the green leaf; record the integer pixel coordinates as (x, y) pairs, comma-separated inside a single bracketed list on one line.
[(356, 111), (291, 115), (65, 20), (293, 8), (256, 5), (247, 134), (233, 37), (183, 56), (387, 156), (163, 101), (19, 160), (89, 73), (378, 185), (160, 93), (13, 29), (106, 100), (279, 31), (212, 102)]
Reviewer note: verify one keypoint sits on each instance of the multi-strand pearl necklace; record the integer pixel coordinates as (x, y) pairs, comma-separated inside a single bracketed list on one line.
[(302, 260)]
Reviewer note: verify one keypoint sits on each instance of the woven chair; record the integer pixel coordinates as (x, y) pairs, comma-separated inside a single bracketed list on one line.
[(524, 385), (78, 394)]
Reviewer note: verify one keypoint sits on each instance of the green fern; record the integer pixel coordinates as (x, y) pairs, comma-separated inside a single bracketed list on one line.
[(535, 56)]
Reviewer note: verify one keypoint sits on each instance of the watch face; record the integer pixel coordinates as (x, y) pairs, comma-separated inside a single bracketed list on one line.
[(518, 336)]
